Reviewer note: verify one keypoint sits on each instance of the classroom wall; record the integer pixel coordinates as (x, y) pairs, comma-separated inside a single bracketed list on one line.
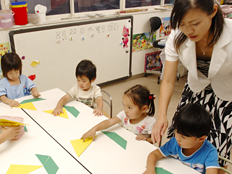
[(140, 25)]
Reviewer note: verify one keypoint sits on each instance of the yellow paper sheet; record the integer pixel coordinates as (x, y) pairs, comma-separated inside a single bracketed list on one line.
[(22, 169), (64, 115), (9, 123), (80, 146), (27, 106), (35, 63)]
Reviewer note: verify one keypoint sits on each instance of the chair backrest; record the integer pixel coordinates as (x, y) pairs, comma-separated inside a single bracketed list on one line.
[(108, 101), (155, 23), (229, 161)]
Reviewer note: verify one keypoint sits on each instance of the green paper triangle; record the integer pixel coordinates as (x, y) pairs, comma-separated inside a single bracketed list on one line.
[(31, 100), (159, 170), (48, 163), (72, 110), (116, 138)]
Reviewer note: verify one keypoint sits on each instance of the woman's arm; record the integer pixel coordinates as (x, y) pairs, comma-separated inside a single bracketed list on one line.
[(165, 95)]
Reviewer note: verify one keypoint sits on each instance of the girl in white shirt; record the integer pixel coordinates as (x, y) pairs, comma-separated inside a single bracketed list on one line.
[(137, 116)]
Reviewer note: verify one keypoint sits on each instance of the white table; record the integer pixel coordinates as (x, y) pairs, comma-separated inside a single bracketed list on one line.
[(35, 141), (103, 156)]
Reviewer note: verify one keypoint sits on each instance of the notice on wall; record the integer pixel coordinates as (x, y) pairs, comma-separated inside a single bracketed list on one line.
[(4, 48)]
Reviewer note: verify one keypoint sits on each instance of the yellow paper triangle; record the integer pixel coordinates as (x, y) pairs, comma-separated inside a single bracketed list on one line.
[(80, 146), (21, 169), (64, 115), (27, 106)]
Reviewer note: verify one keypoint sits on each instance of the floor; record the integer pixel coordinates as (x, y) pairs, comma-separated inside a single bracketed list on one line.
[(117, 89)]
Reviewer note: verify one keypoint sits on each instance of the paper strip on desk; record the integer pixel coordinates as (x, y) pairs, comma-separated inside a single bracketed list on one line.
[(64, 115), (159, 170), (22, 169), (29, 106), (80, 146), (116, 138), (32, 100), (72, 110), (9, 123), (25, 129), (48, 163)]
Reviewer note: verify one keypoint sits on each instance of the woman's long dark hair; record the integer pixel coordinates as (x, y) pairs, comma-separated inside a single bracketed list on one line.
[(181, 7)]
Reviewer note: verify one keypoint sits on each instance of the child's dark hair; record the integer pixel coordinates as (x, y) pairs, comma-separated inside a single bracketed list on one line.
[(86, 68), (10, 61), (192, 121), (140, 95)]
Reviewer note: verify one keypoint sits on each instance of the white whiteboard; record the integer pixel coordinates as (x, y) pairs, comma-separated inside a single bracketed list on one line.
[(59, 48)]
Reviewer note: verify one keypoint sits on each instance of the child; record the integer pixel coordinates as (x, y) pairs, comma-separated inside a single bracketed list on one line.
[(14, 84), (9, 133), (136, 117), (192, 124), (84, 91)]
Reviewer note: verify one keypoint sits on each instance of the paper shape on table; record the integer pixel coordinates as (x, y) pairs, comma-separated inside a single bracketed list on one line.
[(32, 100), (25, 129), (79, 145), (72, 110), (22, 169), (116, 138), (29, 106), (9, 123), (64, 115), (159, 170), (48, 163), (35, 63)]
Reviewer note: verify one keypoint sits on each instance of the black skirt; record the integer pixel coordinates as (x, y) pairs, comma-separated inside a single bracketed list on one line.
[(221, 111)]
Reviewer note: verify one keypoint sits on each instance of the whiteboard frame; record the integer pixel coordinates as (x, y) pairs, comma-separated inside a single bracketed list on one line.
[(79, 23)]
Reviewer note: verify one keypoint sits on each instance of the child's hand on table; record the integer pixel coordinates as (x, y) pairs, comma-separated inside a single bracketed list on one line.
[(98, 112), (141, 137), (14, 103), (57, 111), (90, 133), (36, 95), (10, 133), (35, 92)]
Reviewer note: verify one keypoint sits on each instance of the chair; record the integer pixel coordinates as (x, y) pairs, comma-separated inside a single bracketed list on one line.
[(229, 161), (108, 102), (155, 23)]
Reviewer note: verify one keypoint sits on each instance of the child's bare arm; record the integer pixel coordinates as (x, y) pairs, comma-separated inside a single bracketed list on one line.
[(152, 158), (102, 125), (60, 104), (99, 110), (8, 101), (35, 92), (211, 171)]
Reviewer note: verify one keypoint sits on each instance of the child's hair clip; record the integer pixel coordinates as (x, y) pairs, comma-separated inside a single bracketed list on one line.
[(152, 96)]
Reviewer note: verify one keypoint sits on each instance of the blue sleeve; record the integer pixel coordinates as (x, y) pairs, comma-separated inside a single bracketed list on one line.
[(212, 159), (169, 148), (2, 88)]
